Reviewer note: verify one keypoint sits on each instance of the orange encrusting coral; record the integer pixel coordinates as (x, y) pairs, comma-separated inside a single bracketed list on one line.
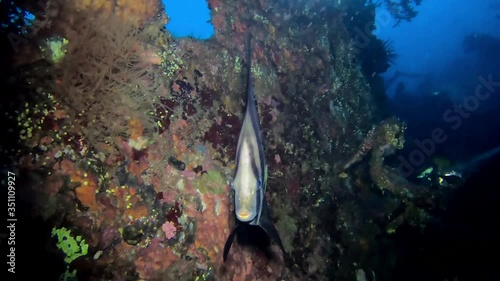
[(129, 204), (180, 132), (138, 167), (179, 144), (86, 194), (136, 212), (88, 184), (136, 129)]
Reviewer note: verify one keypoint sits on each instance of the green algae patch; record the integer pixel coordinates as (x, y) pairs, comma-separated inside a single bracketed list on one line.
[(73, 247), (211, 182)]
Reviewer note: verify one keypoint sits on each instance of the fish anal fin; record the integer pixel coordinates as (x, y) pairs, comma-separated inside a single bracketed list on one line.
[(269, 228)]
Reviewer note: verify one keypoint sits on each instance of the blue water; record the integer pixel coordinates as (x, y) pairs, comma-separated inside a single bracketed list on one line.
[(189, 18), (433, 41)]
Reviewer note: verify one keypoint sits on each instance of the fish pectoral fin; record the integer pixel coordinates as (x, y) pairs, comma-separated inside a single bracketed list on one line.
[(229, 241)]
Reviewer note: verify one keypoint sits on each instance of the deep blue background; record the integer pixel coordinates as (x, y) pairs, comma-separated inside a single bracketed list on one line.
[(429, 47), (189, 18), (432, 43)]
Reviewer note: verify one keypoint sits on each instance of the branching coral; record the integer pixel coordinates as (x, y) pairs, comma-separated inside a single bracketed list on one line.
[(105, 79), (109, 73)]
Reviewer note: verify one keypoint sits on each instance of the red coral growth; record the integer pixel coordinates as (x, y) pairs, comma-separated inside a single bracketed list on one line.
[(212, 224), (138, 167), (153, 260), (109, 236), (137, 211), (218, 21), (223, 136), (244, 270), (174, 213), (128, 203)]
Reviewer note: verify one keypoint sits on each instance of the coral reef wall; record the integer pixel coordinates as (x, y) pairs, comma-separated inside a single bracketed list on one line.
[(128, 139)]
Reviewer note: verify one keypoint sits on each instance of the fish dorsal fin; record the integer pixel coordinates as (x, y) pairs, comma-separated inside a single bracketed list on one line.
[(249, 87)]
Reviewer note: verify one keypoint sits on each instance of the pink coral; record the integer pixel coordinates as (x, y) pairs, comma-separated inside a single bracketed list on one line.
[(169, 229)]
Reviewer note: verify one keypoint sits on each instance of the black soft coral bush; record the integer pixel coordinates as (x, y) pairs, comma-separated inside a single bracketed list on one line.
[(105, 80)]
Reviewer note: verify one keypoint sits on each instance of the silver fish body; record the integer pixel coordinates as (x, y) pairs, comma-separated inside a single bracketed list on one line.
[(249, 182)]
